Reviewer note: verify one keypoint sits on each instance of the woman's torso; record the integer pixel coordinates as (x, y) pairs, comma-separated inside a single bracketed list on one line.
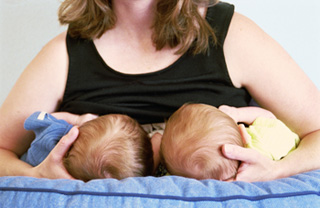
[(95, 87)]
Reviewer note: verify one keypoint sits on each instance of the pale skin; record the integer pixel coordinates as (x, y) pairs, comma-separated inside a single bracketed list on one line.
[(156, 142), (246, 115), (78, 120), (242, 115), (255, 61)]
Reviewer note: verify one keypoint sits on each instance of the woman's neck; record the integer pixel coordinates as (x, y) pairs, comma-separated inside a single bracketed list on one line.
[(134, 15)]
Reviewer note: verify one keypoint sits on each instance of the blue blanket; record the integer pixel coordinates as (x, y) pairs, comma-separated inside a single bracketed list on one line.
[(302, 190), (48, 131)]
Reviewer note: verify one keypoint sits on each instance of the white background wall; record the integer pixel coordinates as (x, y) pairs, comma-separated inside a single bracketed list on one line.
[(27, 25), (294, 24)]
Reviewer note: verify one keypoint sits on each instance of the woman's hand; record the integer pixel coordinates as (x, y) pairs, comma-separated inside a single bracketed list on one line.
[(246, 114), (52, 167), (84, 118), (74, 119), (230, 111), (254, 166)]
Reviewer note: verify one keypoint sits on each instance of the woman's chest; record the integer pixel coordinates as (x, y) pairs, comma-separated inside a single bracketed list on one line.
[(135, 58)]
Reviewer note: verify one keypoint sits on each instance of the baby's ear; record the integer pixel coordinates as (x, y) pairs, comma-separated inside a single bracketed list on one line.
[(156, 143), (246, 138), (156, 139)]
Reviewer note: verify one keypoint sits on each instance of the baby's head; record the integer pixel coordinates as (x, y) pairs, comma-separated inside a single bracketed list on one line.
[(110, 146), (192, 141)]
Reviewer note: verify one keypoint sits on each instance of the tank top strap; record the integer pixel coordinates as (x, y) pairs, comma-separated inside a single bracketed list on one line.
[(219, 17)]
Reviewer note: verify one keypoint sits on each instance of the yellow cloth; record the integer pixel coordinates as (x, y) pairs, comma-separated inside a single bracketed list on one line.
[(272, 138)]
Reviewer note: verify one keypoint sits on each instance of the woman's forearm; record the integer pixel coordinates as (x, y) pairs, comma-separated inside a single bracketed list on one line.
[(305, 158), (11, 165), (52, 167)]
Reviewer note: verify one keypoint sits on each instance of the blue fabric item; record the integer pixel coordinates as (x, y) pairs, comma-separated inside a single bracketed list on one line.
[(302, 190), (48, 131)]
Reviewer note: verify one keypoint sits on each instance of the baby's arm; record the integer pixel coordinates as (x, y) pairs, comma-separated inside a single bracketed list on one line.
[(246, 115), (76, 120)]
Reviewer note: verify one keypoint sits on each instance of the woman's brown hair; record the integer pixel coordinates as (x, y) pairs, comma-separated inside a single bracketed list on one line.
[(177, 22)]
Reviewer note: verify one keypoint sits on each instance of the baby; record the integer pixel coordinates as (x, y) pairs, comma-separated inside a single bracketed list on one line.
[(110, 146), (194, 134)]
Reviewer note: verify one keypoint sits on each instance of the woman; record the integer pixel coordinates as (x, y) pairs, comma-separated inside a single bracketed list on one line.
[(135, 66)]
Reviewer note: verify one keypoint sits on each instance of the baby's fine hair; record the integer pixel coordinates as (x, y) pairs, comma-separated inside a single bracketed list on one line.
[(192, 143), (111, 146)]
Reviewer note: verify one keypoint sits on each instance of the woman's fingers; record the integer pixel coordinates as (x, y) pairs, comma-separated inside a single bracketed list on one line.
[(246, 138), (235, 152), (52, 167), (254, 166), (84, 118), (62, 147)]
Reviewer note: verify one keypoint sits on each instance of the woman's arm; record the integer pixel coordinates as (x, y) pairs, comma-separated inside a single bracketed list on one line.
[(258, 63), (40, 87), (246, 115)]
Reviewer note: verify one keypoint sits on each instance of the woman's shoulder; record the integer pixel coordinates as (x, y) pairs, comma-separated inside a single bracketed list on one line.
[(57, 43), (54, 54), (244, 43), (240, 24), (244, 33)]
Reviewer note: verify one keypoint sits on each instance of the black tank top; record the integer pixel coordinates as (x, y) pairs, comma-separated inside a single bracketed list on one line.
[(93, 87)]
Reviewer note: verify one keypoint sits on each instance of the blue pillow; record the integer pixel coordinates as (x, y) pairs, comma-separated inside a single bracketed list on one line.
[(301, 190)]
